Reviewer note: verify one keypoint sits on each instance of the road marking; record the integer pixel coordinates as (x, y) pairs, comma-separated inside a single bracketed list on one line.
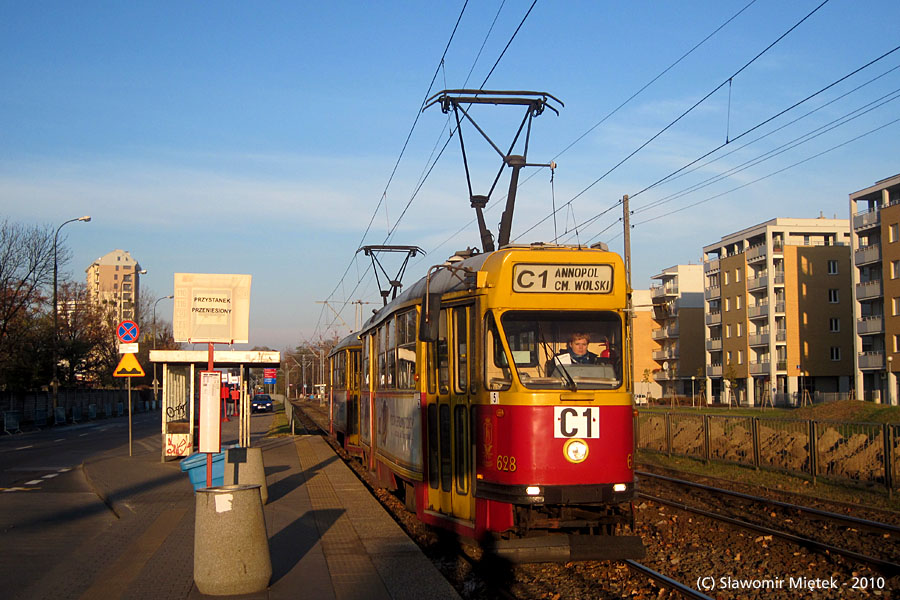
[(83, 434), (34, 482), (17, 489), (24, 447), (49, 475), (60, 440), (64, 470), (115, 579)]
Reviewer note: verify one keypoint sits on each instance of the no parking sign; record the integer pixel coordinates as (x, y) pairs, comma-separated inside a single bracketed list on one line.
[(128, 331)]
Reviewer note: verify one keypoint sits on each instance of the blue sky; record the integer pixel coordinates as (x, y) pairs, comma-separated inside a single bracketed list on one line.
[(260, 137)]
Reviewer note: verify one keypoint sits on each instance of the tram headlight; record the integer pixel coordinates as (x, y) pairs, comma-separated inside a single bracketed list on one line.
[(575, 451), (619, 487), (533, 490)]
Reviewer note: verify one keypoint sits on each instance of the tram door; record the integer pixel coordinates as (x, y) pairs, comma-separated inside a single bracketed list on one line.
[(450, 468)]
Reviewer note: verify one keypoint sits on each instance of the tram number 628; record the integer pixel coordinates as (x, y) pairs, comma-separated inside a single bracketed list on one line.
[(576, 421)]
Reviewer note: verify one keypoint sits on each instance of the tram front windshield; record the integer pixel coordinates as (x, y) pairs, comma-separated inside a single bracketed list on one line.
[(563, 350)]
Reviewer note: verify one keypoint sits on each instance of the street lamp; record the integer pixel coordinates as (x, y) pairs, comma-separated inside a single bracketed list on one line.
[(155, 382), (693, 377), (55, 382)]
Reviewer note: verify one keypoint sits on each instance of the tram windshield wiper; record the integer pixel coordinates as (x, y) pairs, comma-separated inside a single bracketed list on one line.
[(557, 364)]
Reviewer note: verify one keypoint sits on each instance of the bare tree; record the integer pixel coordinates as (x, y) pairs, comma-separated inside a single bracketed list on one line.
[(26, 271)]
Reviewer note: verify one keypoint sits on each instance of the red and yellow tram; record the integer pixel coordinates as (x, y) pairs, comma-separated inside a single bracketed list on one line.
[(495, 394)]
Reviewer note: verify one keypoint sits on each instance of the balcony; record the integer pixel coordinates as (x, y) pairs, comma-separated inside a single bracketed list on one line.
[(867, 255), (871, 360), (714, 370), (870, 325), (864, 220), (714, 344), (711, 266), (714, 318), (781, 335), (662, 291), (779, 278), (758, 368), (760, 310), (712, 292), (757, 252), (868, 290), (758, 283), (759, 339)]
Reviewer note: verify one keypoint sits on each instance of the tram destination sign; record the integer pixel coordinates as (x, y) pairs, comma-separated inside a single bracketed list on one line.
[(565, 279)]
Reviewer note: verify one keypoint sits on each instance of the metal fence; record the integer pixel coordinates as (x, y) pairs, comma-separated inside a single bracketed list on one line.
[(863, 452), (35, 409)]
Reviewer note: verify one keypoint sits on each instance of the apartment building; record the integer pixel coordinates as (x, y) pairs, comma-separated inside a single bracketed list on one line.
[(875, 214), (678, 330), (778, 312), (113, 282), (642, 325)]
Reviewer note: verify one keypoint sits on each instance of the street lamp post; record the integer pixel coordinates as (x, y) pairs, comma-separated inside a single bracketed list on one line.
[(155, 382), (55, 382), (693, 377)]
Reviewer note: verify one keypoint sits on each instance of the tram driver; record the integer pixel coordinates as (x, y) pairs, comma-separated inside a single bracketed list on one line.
[(576, 353)]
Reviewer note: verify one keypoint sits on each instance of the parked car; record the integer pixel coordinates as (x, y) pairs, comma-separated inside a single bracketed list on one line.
[(261, 403)]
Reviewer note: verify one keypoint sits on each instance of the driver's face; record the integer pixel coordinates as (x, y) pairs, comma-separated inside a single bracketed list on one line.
[(579, 346)]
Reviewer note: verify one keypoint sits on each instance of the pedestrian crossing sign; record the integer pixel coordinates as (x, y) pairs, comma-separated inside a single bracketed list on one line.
[(128, 367)]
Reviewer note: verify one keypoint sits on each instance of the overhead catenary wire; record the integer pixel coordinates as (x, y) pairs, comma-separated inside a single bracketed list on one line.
[(686, 112), (421, 183), (760, 124)]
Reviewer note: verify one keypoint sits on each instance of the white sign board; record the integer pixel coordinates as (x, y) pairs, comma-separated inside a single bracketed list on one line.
[(211, 307), (210, 412), (564, 279)]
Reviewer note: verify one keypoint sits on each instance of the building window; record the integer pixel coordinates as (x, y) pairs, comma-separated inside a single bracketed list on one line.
[(834, 325), (832, 267), (737, 275), (727, 331), (893, 232), (740, 357), (740, 329), (727, 304), (835, 353), (833, 296), (725, 277), (896, 343), (896, 306), (737, 302)]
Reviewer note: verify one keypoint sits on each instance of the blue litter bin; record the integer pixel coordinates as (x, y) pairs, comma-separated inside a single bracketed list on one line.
[(195, 466)]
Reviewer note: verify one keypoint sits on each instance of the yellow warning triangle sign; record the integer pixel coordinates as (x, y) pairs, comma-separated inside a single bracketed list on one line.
[(128, 367)]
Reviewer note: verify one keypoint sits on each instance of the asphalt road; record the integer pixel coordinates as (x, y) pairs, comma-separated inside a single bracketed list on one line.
[(47, 508)]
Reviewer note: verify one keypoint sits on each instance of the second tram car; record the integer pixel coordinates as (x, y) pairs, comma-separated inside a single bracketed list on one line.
[(495, 394)]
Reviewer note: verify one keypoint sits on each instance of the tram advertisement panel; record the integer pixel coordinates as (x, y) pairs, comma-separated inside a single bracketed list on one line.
[(398, 430)]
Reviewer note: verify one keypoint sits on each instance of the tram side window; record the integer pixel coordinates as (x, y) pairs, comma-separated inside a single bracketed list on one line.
[(353, 370), (406, 350), (496, 367), (461, 322), (365, 362), (433, 446), (443, 355), (446, 459), (462, 448)]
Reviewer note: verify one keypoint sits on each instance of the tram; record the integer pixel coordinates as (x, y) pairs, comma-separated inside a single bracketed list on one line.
[(495, 396)]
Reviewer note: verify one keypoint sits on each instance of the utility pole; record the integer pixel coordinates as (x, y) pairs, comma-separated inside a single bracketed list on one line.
[(629, 307)]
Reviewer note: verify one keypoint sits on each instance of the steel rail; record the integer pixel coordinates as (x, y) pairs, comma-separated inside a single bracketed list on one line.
[(855, 521), (884, 566), (684, 590)]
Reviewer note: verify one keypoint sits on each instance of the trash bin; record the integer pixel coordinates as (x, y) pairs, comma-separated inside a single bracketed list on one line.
[(195, 466), (231, 548)]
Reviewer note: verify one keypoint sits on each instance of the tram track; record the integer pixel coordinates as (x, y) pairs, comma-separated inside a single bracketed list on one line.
[(771, 518)]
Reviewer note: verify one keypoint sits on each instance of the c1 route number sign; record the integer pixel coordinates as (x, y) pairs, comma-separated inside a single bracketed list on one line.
[(128, 332)]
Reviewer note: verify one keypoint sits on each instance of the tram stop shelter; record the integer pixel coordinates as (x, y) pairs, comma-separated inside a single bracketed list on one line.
[(180, 385)]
